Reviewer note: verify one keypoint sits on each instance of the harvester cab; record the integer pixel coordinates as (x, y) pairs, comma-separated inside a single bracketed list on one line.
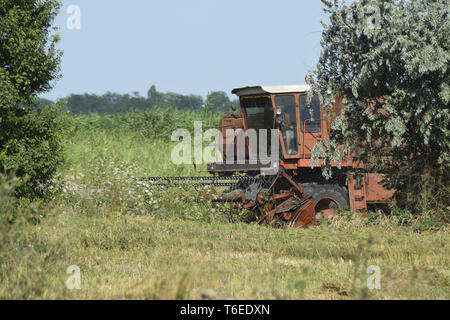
[(268, 109), (274, 107)]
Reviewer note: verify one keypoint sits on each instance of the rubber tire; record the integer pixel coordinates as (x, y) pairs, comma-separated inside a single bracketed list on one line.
[(331, 191)]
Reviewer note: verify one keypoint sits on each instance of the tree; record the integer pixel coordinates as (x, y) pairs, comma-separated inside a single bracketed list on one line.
[(218, 101), (29, 59), (389, 60), (31, 138), (180, 102), (154, 96), (110, 103)]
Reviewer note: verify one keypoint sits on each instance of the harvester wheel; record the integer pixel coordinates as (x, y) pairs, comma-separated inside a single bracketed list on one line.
[(327, 198)]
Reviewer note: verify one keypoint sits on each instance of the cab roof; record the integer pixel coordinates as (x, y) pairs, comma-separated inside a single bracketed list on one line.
[(256, 90)]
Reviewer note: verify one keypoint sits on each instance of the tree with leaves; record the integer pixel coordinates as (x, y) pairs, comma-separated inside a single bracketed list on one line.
[(389, 62), (31, 138), (218, 101)]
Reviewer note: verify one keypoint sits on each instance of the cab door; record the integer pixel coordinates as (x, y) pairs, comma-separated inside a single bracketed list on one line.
[(310, 124), (286, 110)]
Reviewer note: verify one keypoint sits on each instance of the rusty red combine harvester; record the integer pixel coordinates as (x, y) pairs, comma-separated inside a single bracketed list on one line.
[(296, 194)]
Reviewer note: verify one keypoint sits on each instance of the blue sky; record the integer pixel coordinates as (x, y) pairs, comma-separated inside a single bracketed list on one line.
[(194, 46)]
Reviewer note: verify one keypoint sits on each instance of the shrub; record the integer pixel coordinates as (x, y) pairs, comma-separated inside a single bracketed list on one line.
[(32, 147), (30, 140)]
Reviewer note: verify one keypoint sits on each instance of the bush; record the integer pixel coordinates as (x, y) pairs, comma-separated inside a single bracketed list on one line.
[(31, 146), (31, 139)]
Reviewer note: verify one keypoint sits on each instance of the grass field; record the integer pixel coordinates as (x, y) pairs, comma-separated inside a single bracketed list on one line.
[(134, 242)]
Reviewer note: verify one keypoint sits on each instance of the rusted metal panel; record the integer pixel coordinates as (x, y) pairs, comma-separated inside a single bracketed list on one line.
[(375, 192), (357, 194), (235, 123)]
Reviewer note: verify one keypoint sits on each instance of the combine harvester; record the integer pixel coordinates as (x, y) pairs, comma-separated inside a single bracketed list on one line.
[(296, 193)]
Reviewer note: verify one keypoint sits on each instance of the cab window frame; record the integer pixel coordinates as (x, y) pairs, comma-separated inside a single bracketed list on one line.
[(314, 126), (295, 126)]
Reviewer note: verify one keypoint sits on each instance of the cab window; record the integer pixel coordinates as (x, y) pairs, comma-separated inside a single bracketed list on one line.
[(313, 123), (286, 108)]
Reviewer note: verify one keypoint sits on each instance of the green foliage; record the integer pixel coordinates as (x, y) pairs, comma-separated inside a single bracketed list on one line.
[(106, 164), (152, 124), (31, 136), (218, 101), (40, 103), (404, 216), (110, 103), (35, 151), (8, 204), (29, 61), (433, 221), (394, 78)]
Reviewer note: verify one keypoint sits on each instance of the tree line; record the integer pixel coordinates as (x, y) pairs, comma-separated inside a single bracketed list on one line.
[(110, 103)]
